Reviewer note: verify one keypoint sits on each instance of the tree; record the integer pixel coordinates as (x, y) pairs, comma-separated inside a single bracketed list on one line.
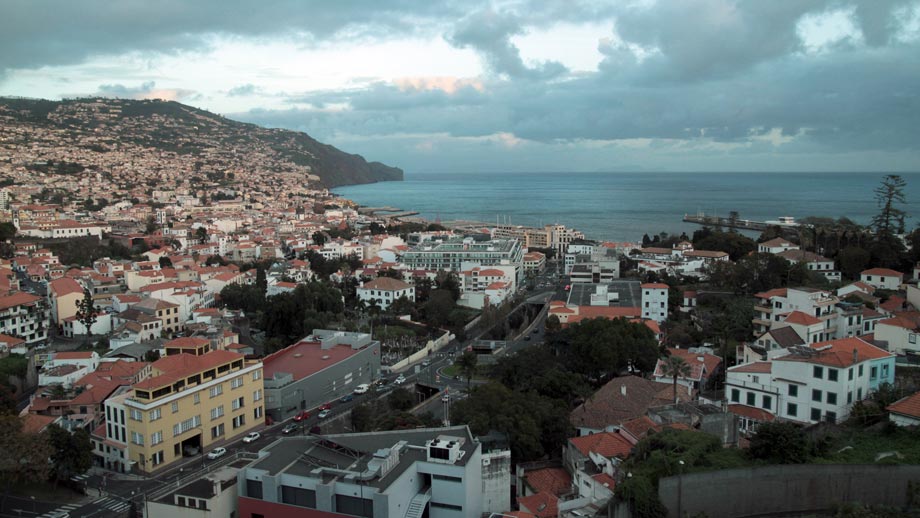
[(853, 260), (779, 442), (676, 367), (152, 355), (400, 399), (151, 225), (72, 452), (25, 455), (467, 364), (319, 239), (165, 262), (86, 313), (552, 324), (888, 196), (201, 234), (7, 231), (402, 306)]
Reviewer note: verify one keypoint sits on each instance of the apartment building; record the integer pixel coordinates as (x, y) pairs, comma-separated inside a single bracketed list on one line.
[(63, 296), (384, 291), (166, 312), (459, 254), (811, 383), (191, 403), (25, 316), (778, 304), (655, 301), (882, 278)]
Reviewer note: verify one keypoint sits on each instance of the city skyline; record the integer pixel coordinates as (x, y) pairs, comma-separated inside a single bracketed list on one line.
[(511, 86)]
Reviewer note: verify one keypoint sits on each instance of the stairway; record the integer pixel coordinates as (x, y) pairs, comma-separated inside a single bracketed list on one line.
[(417, 504)]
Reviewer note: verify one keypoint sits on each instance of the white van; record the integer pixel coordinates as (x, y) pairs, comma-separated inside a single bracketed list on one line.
[(362, 388)]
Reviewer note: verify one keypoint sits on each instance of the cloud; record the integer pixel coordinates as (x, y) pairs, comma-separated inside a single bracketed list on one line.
[(242, 90), (147, 90)]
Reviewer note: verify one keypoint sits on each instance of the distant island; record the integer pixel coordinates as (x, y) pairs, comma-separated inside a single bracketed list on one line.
[(102, 133)]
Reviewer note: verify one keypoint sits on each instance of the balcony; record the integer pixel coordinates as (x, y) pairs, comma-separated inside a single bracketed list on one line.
[(764, 309)]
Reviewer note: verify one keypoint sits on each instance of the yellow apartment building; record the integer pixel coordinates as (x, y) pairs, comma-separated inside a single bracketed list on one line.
[(190, 404)]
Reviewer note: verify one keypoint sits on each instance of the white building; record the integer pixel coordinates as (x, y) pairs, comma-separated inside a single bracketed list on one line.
[(882, 278), (385, 291), (655, 301), (905, 411), (776, 245), (808, 384)]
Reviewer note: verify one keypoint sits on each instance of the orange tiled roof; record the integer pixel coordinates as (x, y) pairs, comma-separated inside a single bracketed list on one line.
[(607, 444), (552, 480), (909, 406)]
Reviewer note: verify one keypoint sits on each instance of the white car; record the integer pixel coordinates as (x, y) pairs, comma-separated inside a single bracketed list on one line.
[(324, 414), (217, 453), (399, 380), (251, 437), (445, 398), (362, 388)]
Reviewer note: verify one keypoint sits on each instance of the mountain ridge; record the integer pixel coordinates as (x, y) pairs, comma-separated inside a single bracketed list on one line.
[(139, 127)]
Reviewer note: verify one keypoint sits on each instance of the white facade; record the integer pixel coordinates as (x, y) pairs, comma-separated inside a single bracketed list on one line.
[(655, 302), (882, 278), (384, 291)]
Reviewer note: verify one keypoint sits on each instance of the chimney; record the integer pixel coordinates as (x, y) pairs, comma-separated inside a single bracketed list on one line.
[(855, 355), (622, 390)]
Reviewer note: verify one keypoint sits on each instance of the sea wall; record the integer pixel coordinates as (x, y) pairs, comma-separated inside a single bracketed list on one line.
[(790, 489)]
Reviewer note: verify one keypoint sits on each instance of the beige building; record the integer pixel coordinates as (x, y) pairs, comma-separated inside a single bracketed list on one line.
[(166, 312), (191, 404), (64, 294)]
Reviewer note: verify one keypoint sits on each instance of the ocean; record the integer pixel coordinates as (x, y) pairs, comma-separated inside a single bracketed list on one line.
[(624, 206)]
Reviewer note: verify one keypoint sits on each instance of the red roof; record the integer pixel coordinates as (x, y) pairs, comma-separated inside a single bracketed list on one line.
[(755, 368), (305, 359), (17, 299), (884, 272), (756, 414), (802, 319), (65, 286), (655, 286), (178, 366), (73, 355), (187, 342), (552, 480), (777, 292), (839, 353), (906, 323), (607, 444), (386, 284), (605, 480), (909, 406), (542, 504)]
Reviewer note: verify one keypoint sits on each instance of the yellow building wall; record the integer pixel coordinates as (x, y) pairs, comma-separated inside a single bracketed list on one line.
[(187, 406)]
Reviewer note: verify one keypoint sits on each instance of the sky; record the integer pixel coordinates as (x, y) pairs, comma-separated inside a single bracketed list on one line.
[(513, 85)]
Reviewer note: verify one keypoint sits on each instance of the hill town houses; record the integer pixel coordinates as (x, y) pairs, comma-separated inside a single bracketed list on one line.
[(179, 377)]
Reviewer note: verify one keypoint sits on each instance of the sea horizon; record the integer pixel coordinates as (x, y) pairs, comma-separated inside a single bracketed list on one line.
[(623, 206)]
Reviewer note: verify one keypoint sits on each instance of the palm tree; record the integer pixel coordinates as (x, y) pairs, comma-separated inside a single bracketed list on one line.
[(676, 366)]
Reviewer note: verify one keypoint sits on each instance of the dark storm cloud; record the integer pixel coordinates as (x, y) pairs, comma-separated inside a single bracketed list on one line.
[(52, 32)]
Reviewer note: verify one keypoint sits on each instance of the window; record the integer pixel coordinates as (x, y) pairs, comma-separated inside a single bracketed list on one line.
[(816, 395), (257, 395), (137, 438), (254, 490), (256, 375), (447, 506), (736, 396), (196, 398), (849, 397), (859, 394), (793, 391), (257, 413), (175, 406), (186, 425), (136, 415), (818, 372), (236, 382), (156, 413), (831, 398), (767, 402), (873, 372), (751, 398), (217, 431), (298, 496), (831, 417), (815, 414), (860, 370), (850, 374), (831, 374), (239, 421), (792, 409), (238, 403), (217, 412), (217, 390), (157, 458), (156, 438)]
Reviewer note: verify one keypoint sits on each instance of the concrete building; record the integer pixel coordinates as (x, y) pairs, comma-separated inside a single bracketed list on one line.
[(534, 262), (435, 472), (166, 312), (385, 291), (900, 334), (808, 384), (655, 301), (63, 296), (460, 254), (191, 403), (215, 494), (322, 367), (882, 278), (905, 411), (24, 316)]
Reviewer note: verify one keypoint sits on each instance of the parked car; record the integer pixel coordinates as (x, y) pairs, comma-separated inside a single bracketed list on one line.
[(289, 428), (362, 388), (399, 380), (346, 398), (301, 416), (217, 453), (324, 414), (251, 437)]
